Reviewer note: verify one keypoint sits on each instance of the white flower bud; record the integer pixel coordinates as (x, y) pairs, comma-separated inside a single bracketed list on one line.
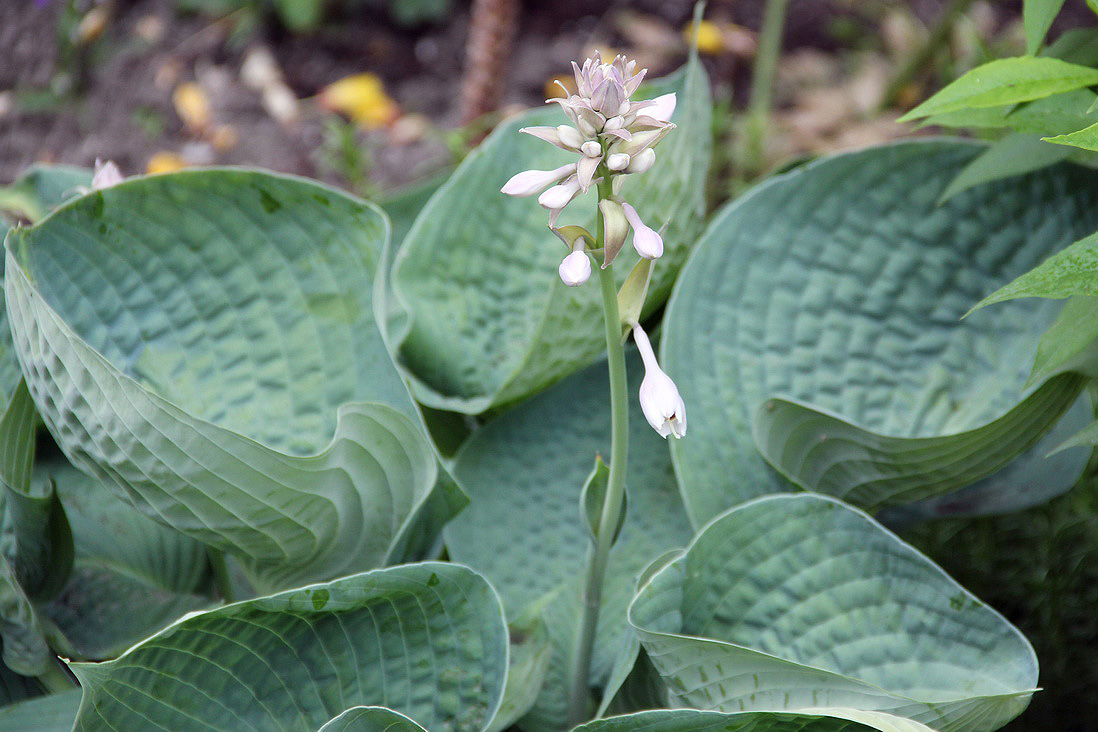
[(561, 195), (529, 182), (585, 127), (570, 136), (660, 401), (646, 240), (614, 123), (642, 161), (575, 269), (591, 149), (617, 161)]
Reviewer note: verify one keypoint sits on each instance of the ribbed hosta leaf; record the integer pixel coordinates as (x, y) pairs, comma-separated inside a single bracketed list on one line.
[(490, 321), (205, 343), (131, 575), (427, 640), (693, 720), (371, 719), (796, 601), (524, 472), (840, 286), (51, 713)]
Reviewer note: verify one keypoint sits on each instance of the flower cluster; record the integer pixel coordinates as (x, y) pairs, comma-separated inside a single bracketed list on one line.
[(613, 136)]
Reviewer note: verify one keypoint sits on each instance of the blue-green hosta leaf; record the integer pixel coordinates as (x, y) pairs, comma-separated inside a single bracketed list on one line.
[(798, 601), (840, 286), (371, 719), (531, 651), (42, 187), (524, 472), (694, 720), (1006, 81), (50, 713), (205, 343), (490, 321), (131, 575), (426, 640)]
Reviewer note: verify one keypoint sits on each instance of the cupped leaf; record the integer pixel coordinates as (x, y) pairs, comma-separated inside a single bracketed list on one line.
[(1006, 81), (798, 601), (131, 575), (524, 472), (490, 322), (204, 342), (694, 720), (371, 719), (426, 640), (841, 286)]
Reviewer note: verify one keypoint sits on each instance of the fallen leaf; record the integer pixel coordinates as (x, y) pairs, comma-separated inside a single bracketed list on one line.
[(193, 106), (164, 162), (361, 97)]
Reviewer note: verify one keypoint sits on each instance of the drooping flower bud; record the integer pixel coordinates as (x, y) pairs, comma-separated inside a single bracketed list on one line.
[(660, 401), (575, 269), (646, 240), (617, 161), (529, 182)]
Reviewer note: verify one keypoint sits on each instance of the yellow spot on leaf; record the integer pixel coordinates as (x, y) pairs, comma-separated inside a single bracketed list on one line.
[(361, 97), (164, 162)]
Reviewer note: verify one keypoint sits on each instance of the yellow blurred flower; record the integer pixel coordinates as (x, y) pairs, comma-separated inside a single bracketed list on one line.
[(361, 97), (164, 162), (709, 36), (192, 105)]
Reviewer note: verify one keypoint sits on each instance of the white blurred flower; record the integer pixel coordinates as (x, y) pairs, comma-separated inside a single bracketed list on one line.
[(106, 175), (659, 397)]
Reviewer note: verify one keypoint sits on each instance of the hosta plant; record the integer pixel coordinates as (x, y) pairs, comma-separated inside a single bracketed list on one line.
[(265, 467)]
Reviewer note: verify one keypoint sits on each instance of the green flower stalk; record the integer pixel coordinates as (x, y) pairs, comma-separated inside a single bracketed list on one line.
[(613, 137)]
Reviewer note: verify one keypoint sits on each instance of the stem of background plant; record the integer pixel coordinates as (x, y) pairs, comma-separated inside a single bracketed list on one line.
[(762, 85), (599, 553), (57, 679), (915, 63), (220, 574)]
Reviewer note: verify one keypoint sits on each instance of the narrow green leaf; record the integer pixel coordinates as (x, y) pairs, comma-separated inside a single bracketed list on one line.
[(1086, 138), (1070, 271), (1037, 17), (798, 602), (593, 498), (255, 407), (371, 719), (299, 658), (840, 286), (1071, 342), (1011, 155), (1057, 114), (1006, 81)]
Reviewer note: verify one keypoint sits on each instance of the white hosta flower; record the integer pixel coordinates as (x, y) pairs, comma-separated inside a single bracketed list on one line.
[(646, 240), (559, 196), (662, 107), (575, 269), (659, 397), (529, 182), (106, 175)]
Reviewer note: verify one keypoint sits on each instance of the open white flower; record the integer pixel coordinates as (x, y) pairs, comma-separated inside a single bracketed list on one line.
[(529, 182), (659, 397)]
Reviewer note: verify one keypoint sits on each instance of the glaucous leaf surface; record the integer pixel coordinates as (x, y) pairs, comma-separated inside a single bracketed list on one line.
[(204, 342), (840, 286), (694, 720), (1006, 81), (371, 719), (489, 320), (799, 601), (524, 472), (131, 575), (426, 640), (50, 713), (42, 187)]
